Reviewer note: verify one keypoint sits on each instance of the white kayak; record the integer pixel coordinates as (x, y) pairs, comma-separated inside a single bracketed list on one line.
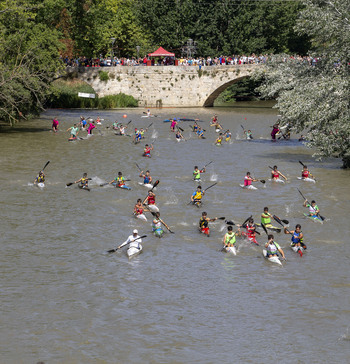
[(133, 251), (307, 179), (180, 139), (230, 249), (272, 259), (277, 180), (40, 185), (141, 217), (298, 249), (250, 187), (153, 208), (147, 185)]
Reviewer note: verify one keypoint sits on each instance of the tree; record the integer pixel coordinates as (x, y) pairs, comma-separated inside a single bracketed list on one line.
[(313, 94), (29, 60)]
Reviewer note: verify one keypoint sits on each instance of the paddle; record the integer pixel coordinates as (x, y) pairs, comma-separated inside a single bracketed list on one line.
[(321, 217), (154, 214), (242, 127), (264, 227), (229, 222), (309, 172), (138, 167), (279, 173), (72, 183), (45, 165), (207, 164), (180, 128), (260, 180), (114, 250), (210, 186), (276, 218), (129, 122), (149, 125)]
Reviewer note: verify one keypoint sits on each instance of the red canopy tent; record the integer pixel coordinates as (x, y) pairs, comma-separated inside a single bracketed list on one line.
[(161, 52)]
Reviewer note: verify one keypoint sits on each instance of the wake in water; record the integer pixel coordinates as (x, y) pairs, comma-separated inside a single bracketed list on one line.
[(213, 177), (154, 134), (346, 336), (172, 199)]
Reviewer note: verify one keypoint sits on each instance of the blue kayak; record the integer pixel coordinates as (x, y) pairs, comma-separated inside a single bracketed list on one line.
[(123, 186)]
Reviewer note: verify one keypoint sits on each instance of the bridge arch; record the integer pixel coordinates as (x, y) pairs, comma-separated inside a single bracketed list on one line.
[(209, 102)]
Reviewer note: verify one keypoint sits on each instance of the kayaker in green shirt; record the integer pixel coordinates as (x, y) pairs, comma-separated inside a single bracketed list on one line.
[(197, 173), (272, 247), (314, 211), (229, 239)]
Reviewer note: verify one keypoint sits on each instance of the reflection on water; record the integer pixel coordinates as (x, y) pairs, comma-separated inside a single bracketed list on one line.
[(64, 299)]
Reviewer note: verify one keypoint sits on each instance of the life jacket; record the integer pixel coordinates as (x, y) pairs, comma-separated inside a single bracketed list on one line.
[(272, 249), (312, 210), (265, 220), (146, 179), (84, 181), (40, 179), (151, 200), (197, 174), (305, 174), (198, 195), (120, 181), (147, 150), (203, 223), (230, 238), (275, 174), (247, 182), (296, 238), (250, 231)]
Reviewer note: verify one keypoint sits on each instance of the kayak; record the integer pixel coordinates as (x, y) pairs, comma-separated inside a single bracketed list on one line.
[(314, 218), (180, 139), (205, 231), (40, 185), (158, 232), (147, 185), (278, 180), (133, 251), (271, 227), (218, 144), (153, 208), (198, 180), (84, 187), (146, 155), (148, 116), (141, 217), (297, 249), (272, 259), (197, 203), (250, 187), (122, 186), (230, 249), (72, 139), (307, 179)]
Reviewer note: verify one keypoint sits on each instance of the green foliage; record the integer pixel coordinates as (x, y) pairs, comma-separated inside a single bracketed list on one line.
[(317, 98), (103, 76), (64, 94), (244, 90)]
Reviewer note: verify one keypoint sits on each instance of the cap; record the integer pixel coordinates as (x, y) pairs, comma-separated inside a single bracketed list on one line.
[(135, 231)]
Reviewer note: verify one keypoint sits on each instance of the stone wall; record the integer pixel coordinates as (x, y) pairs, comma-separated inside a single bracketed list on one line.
[(168, 86)]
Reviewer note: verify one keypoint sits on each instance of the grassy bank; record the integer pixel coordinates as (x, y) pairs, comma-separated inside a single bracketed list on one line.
[(64, 94)]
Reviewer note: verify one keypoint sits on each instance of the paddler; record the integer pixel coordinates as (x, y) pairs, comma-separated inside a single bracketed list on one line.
[(147, 179), (218, 140), (139, 208), (157, 223), (137, 136), (83, 122), (248, 134), (98, 121), (115, 125), (148, 113), (275, 130), (119, 180), (195, 127), (122, 129), (297, 238), (200, 132), (150, 199), (214, 119), (173, 124), (133, 240), (40, 178), (147, 151), (305, 173), (55, 125), (266, 218), (314, 211), (251, 231), (248, 180), (178, 135), (204, 223), (229, 239), (197, 173), (142, 132), (91, 127), (228, 135), (196, 197), (272, 247), (83, 181), (73, 131), (275, 174)]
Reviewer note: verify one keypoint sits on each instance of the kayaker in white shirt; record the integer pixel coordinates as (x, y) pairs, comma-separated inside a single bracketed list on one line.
[(133, 240)]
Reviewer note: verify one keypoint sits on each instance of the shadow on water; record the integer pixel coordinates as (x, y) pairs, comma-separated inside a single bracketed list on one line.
[(20, 129)]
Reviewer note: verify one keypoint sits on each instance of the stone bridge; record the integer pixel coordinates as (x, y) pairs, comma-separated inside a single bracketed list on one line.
[(166, 86)]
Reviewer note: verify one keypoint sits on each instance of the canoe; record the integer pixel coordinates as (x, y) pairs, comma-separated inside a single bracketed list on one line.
[(307, 179), (141, 217), (84, 188), (277, 180), (271, 227), (40, 185), (153, 208), (147, 185), (250, 187), (230, 249), (133, 251), (272, 259), (158, 232), (314, 218)]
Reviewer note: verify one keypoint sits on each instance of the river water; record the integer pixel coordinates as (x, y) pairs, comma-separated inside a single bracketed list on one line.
[(65, 300)]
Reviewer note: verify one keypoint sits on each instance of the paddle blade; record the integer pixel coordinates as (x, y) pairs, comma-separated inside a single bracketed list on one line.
[(262, 181), (246, 220), (46, 165), (302, 163), (229, 222), (155, 184), (112, 250), (103, 184), (285, 221), (69, 184), (138, 167), (221, 218), (300, 253)]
